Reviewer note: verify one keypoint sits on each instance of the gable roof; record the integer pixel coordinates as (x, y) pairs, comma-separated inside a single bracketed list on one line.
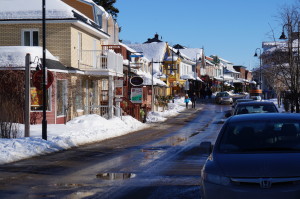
[(31, 10)]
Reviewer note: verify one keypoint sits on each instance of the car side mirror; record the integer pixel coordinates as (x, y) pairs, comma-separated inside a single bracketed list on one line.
[(227, 114), (206, 147)]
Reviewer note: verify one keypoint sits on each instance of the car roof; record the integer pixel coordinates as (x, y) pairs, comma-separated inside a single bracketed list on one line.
[(256, 103), (264, 117)]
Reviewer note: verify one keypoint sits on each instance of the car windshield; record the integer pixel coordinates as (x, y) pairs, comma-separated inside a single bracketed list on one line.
[(255, 109), (260, 136), (223, 94)]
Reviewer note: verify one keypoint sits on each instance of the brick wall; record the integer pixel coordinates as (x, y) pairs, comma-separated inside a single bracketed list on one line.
[(57, 38)]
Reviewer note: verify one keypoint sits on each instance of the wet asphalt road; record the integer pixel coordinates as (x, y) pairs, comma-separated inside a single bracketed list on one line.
[(163, 161)]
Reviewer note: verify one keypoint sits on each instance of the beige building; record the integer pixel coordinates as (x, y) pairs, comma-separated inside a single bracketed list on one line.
[(76, 31)]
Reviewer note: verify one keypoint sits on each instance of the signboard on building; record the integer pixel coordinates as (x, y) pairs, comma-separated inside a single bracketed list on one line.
[(172, 78), (136, 95), (118, 88), (136, 81)]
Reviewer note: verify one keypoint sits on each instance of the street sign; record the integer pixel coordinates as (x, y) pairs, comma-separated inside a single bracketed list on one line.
[(136, 55)]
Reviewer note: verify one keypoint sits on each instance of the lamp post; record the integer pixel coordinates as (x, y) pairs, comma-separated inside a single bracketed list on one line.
[(44, 121), (293, 63), (260, 75), (224, 68)]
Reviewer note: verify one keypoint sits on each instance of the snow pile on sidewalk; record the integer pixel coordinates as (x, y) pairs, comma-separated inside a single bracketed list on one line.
[(81, 130), (173, 109)]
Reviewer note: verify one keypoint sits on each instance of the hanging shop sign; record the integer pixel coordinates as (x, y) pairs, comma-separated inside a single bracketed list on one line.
[(136, 81), (136, 95), (37, 79), (172, 78), (119, 88)]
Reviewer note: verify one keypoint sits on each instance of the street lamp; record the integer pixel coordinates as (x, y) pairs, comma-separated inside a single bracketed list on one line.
[(224, 67), (260, 75)]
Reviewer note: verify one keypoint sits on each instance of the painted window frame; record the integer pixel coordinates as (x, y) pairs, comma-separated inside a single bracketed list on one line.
[(30, 30)]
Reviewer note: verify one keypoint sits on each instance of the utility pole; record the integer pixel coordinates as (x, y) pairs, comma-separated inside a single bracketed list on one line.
[(44, 122), (27, 96)]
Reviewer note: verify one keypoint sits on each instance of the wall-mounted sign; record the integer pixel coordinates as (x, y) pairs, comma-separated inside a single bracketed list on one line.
[(37, 79), (136, 81), (136, 95), (172, 78), (119, 88)]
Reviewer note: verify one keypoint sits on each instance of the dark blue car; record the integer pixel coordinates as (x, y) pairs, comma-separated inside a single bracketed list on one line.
[(255, 156)]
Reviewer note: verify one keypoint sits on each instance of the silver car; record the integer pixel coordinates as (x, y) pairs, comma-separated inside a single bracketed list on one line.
[(256, 156), (223, 98)]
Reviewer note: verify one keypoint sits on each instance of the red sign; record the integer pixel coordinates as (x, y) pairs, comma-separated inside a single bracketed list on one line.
[(37, 79)]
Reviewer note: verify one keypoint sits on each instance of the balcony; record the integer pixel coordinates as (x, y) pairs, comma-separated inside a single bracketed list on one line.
[(102, 62), (117, 49)]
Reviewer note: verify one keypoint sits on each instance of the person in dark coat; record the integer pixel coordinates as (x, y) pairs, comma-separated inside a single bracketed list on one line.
[(193, 99)]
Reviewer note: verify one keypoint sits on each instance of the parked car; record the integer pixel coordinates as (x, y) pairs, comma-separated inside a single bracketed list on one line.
[(254, 156), (223, 98), (256, 98), (253, 107)]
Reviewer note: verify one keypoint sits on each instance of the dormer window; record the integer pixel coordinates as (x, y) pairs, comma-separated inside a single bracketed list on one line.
[(99, 17)]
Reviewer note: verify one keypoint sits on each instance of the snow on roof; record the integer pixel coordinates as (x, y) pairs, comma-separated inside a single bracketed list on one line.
[(101, 9), (14, 56), (152, 51), (192, 53), (226, 62), (147, 77), (32, 9)]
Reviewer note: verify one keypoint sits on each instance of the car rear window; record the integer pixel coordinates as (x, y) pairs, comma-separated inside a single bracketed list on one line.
[(260, 136), (255, 109)]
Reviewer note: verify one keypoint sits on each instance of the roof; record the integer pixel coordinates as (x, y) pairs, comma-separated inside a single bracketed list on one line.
[(192, 53), (263, 116), (152, 51), (14, 56), (31, 10)]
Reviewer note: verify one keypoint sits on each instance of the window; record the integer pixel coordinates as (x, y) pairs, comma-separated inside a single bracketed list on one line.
[(100, 20), (30, 37), (80, 46), (61, 97), (94, 93), (78, 96), (104, 91)]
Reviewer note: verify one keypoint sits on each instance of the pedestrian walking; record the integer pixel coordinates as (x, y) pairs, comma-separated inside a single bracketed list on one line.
[(187, 100), (194, 99)]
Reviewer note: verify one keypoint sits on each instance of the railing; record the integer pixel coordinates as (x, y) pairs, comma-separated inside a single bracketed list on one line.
[(100, 60), (101, 110), (130, 108), (117, 49)]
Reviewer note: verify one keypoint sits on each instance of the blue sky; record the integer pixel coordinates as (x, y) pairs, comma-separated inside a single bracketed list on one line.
[(231, 29)]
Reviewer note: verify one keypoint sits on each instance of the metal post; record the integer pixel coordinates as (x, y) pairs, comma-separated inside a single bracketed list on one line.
[(44, 122), (152, 93), (27, 96)]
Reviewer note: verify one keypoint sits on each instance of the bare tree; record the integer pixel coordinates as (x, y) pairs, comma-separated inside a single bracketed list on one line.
[(281, 64)]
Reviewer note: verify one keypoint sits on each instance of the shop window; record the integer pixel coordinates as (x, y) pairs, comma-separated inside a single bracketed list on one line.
[(61, 97)]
